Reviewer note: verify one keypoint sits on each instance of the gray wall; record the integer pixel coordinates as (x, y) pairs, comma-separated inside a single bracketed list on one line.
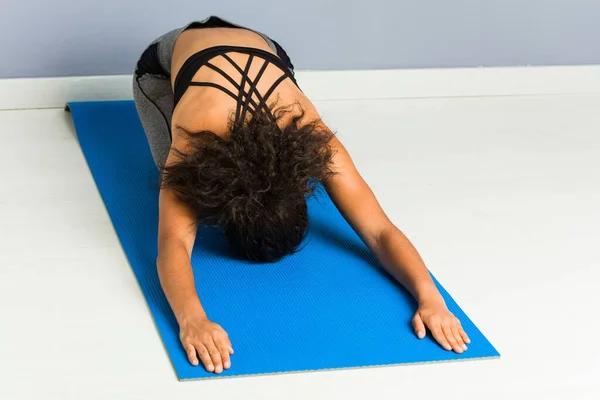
[(83, 37)]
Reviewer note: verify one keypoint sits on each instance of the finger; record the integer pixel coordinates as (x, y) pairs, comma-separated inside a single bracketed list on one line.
[(458, 337), (418, 326), (205, 357), (228, 344), (191, 354), (447, 329), (215, 356), (464, 335), (224, 350), (438, 335)]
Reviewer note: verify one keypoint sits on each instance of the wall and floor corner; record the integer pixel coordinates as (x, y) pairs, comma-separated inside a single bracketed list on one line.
[(65, 51)]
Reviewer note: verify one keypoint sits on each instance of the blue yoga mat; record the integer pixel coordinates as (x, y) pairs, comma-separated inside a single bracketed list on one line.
[(328, 306)]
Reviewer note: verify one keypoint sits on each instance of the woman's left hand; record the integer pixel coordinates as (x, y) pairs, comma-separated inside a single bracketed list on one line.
[(442, 324)]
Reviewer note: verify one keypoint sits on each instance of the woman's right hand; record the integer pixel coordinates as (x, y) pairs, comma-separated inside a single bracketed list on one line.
[(203, 339)]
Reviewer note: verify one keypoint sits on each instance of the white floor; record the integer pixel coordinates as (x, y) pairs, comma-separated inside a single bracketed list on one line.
[(500, 194)]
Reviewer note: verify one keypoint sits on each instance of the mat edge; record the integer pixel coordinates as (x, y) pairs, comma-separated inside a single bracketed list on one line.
[(374, 366), (68, 108)]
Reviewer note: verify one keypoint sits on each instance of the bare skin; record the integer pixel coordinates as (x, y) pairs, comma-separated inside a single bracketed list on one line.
[(204, 108)]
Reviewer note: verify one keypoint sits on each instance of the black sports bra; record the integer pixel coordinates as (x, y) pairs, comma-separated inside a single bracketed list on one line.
[(243, 98)]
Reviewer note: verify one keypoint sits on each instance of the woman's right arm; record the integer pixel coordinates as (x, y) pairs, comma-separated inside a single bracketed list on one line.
[(200, 337)]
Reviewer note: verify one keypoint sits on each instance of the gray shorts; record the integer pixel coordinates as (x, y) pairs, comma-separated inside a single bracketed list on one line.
[(152, 91)]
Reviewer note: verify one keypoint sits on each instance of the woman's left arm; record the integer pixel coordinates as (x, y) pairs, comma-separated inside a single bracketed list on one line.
[(357, 203)]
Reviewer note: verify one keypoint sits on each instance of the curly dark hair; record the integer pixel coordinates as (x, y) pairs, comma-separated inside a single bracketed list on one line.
[(254, 184)]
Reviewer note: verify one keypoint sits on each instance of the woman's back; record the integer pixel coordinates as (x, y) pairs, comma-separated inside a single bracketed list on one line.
[(208, 108)]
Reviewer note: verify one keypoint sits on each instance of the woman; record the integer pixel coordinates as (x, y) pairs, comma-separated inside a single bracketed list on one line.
[(240, 146)]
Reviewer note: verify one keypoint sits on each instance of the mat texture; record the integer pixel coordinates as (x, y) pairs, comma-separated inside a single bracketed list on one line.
[(329, 306)]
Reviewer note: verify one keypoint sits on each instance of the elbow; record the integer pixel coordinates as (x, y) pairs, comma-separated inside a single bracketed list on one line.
[(382, 236)]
